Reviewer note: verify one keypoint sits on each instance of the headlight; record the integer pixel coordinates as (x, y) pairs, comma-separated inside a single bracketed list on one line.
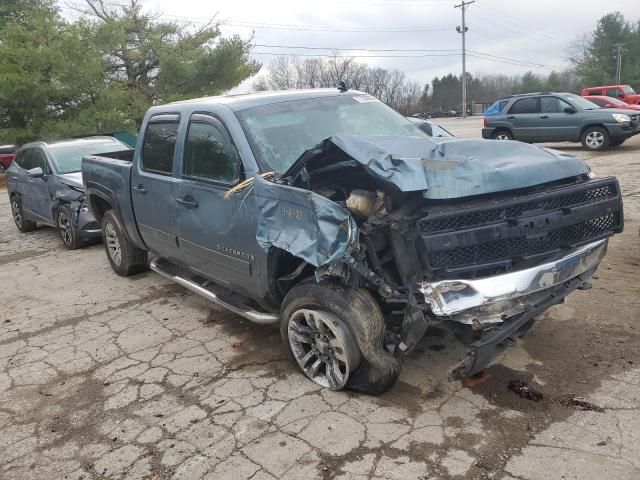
[(621, 117)]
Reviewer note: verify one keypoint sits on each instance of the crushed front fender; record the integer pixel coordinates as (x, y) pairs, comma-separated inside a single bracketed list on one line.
[(303, 223)]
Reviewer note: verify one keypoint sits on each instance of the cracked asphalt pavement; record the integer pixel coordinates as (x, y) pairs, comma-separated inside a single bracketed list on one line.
[(103, 377)]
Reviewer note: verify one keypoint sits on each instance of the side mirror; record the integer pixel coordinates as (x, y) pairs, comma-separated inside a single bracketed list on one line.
[(36, 172), (570, 110)]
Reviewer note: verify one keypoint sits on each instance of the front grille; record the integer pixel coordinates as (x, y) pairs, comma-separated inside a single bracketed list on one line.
[(519, 247), (453, 221), (481, 237)]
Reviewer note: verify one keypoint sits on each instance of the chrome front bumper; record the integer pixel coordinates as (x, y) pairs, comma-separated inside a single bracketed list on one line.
[(490, 300)]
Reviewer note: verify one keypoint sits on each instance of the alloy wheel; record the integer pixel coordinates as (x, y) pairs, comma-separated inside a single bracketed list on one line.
[(17, 213), (323, 346), (113, 244), (502, 136), (66, 230), (594, 139)]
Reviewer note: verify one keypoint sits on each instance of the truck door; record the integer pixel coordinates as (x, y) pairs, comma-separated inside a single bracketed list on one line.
[(555, 122), (153, 186), (524, 115), (217, 235)]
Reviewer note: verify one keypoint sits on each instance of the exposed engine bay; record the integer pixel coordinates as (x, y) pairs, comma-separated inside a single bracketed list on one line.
[(491, 261)]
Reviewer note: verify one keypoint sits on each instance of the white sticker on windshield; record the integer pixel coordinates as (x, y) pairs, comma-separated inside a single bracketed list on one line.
[(364, 98)]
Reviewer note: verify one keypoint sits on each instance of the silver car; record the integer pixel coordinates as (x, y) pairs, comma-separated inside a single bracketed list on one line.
[(45, 187)]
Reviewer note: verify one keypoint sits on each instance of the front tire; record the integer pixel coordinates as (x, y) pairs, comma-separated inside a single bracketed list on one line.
[(596, 139), (335, 336), (125, 258), (67, 230), (23, 224)]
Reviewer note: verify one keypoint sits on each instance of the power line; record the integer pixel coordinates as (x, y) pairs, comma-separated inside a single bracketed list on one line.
[(516, 60), (476, 31), (288, 26), (328, 55), (300, 47), (519, 21)]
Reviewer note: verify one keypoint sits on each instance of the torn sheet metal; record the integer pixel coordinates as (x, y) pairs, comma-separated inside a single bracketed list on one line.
[(302, 223), (445, 168)]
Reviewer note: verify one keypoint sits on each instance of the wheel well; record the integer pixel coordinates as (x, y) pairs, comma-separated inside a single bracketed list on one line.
[(584, 129), (283, 264), (98, 206), (503, 129)]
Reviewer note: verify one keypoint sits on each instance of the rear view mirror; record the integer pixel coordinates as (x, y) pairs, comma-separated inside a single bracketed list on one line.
[(35, 172), (570, 110)]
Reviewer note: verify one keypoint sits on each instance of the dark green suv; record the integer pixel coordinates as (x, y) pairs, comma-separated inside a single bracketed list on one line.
[(560, 117)]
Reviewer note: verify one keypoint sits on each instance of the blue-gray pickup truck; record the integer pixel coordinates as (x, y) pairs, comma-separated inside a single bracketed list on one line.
[(331, 215)]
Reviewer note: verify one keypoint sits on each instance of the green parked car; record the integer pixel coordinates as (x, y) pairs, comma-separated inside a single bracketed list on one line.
[(559, 117)]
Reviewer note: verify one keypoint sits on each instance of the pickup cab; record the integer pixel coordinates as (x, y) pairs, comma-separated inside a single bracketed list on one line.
[(330, 215)]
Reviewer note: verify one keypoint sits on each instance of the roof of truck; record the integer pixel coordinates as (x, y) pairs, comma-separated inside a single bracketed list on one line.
[(248, 100)]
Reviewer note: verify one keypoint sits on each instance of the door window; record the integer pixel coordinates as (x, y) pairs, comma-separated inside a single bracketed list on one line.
[(210, 155), (159, 146), (614, 92), (553, 105), (33, 158), (526, 105)]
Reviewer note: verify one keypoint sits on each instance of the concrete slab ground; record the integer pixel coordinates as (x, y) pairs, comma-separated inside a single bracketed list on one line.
[(103, 377)]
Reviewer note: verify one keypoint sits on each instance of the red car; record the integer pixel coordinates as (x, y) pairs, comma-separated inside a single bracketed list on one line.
[(621, 92), (7, 152), (609, 102)]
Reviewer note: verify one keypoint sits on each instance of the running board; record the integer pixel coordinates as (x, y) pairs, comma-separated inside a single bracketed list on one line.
[(168, 270)]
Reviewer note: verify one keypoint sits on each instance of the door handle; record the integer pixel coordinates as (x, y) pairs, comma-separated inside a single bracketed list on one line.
[(140, 188), (511, 117), (544, 116), (187, 201)]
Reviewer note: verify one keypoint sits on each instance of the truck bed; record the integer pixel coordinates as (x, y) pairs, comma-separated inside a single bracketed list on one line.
[(107, 180)]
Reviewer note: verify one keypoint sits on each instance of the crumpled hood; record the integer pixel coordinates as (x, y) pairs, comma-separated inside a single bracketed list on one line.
[(73, 179), (450, 167)]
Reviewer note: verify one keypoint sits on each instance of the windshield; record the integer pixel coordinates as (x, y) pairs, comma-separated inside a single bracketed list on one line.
[(580, 102), (281, 132), (628, 89), (68, 155)]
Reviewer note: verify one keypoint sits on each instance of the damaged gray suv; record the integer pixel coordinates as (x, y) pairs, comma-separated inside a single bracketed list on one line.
[(45, 187), (330, 215)]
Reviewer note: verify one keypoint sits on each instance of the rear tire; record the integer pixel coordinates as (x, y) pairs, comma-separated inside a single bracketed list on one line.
[(502, 135), (356, 325), (23, 224), (125, 258), (595, 139), (65, 227)]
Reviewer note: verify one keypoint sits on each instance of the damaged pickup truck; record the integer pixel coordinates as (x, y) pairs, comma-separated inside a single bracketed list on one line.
[(328, 213)]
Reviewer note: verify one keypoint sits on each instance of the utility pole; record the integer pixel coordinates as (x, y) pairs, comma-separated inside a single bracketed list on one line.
[(463, 6), (618, 62)]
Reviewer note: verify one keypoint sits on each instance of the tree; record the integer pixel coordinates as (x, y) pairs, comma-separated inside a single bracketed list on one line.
[(158, 61), (595, 56), (48, 71)]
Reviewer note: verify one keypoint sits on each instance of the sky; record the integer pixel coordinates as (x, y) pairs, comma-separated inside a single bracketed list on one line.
[(416, 36)]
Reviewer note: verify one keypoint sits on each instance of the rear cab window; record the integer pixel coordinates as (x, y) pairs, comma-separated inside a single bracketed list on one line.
[(159, 144)]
